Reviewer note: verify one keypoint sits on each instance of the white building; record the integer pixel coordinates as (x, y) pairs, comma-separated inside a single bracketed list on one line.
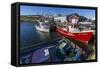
[(60, 18), (85, 22)]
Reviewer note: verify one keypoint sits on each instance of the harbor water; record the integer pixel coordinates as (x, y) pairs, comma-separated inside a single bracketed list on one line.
[(30, 37)]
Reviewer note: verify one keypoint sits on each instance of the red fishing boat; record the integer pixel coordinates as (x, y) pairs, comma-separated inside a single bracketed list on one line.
[(82, 36)]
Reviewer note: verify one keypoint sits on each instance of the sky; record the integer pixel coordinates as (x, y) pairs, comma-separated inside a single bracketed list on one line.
[(34, 10)]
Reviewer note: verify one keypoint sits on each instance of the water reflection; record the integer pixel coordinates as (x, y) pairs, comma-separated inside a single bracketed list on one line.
[(30, 36)]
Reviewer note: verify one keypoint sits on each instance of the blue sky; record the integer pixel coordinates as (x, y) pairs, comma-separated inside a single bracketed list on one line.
[(34, 10)]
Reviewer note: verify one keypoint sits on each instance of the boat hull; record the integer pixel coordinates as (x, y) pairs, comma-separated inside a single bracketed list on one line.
[(42, 29), (82, 36)]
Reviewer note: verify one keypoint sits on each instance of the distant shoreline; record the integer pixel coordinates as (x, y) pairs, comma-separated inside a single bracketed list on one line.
[(29, 18)]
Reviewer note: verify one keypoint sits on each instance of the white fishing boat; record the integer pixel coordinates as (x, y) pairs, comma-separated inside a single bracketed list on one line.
[(43, 26)]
